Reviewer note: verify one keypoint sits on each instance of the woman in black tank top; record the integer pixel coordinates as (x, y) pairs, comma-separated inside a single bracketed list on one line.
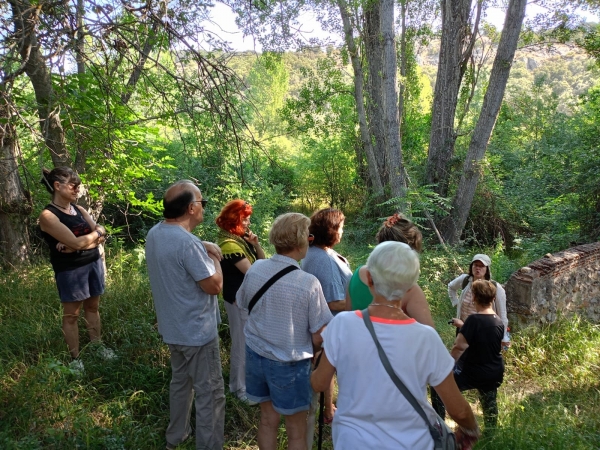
[(73, 237)]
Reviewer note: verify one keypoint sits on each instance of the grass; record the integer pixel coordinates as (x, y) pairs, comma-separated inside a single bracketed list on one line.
[(550, 398)]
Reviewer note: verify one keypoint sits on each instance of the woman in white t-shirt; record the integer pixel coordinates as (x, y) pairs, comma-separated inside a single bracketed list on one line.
[(371, 411)]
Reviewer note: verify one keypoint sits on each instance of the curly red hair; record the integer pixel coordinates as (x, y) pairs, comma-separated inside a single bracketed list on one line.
[(231, 216)]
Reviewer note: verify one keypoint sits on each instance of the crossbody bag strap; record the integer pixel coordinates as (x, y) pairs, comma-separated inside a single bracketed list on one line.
[(397, 381), (268, 284)]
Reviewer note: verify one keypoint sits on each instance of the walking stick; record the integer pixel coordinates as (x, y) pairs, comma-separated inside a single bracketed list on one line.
[(321, 409), (321, 419)]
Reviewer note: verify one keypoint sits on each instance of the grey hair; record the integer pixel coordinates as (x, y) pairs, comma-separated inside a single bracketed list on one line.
[(394, 267)]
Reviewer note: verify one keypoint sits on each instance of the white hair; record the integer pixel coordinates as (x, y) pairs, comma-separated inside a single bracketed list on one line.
[(394, 267)]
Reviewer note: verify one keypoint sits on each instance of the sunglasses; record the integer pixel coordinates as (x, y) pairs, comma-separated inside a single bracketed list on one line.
[(72, 186), (204, 201)]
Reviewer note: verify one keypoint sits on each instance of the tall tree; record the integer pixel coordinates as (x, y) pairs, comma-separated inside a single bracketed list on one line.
[(365, 135), (456, 46), (373, 54), (390, 98), (15, 203), (25, 17), (461, 205)]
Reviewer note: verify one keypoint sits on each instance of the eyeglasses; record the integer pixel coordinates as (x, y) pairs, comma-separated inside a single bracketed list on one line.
[(204, 201), (311, 238), (73, 186)]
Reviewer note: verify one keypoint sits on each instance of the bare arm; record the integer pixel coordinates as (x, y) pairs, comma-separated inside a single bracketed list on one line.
[(456, 322), (322, 375), (455, 403), (337, 305), (317, 339), (50, 224), (348, 299), (213, 249), (459, 347), (243, 265), (417, 306), (213, 284), (253, 240)]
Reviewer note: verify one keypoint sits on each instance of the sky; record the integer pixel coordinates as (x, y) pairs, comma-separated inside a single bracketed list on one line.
[(224, 26)]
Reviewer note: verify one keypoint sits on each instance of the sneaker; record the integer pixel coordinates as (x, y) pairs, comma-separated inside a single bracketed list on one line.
[(76, 367), (244, 399), (106, 353)]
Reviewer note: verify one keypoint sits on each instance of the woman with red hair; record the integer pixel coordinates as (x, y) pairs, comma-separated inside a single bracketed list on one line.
[(240, 249)]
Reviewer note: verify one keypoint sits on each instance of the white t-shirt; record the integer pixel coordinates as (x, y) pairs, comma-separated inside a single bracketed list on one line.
[(371, 411)]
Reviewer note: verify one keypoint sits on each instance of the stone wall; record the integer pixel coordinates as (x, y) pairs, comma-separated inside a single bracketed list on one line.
[(564, 283)]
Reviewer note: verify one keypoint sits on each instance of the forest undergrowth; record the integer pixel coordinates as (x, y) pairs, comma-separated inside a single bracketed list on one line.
[(550, 398)]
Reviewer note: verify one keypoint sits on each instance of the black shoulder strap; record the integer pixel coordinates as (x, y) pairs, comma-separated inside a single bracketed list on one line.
[(466, 281), (268, 284), (435, 434)]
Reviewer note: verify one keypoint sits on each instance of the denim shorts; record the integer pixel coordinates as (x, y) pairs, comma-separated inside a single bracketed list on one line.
[(82, 283), (285, 384)]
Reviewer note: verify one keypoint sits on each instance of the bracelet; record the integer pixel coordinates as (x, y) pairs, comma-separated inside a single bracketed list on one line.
[(99, 233)]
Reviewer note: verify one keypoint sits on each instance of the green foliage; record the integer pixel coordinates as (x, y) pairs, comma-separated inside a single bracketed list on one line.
[(268, 81), (590, 42), (418, 201), (324, 118)]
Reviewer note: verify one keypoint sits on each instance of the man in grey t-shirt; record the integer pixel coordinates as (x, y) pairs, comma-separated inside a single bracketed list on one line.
[(185, 276)]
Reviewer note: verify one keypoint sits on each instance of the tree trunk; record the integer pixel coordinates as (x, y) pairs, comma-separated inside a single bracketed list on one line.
[(15, 203), (138, 68), (374, 56), (390, 101), (403, 66), (461, 205), (359, 99), (455, 28), (80, 39), (25, 19)]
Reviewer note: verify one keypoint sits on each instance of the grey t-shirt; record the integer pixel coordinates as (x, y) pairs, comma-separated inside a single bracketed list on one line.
[(177, 260), (281, 322), (331, 269)]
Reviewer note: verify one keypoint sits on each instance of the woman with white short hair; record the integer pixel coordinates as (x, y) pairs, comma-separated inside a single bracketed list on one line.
[(372, 412)]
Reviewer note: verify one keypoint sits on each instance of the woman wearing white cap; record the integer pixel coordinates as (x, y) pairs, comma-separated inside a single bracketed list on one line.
[(465, 306)]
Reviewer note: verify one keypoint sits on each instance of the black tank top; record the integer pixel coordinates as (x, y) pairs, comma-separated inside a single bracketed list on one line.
[(79, 227)]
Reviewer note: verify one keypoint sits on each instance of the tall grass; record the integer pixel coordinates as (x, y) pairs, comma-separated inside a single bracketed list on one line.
[(550, 398)]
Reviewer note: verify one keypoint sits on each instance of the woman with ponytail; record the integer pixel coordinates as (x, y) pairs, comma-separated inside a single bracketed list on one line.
[(73, 237)]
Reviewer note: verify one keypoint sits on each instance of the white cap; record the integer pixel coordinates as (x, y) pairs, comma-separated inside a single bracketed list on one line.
[(485, 259)]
